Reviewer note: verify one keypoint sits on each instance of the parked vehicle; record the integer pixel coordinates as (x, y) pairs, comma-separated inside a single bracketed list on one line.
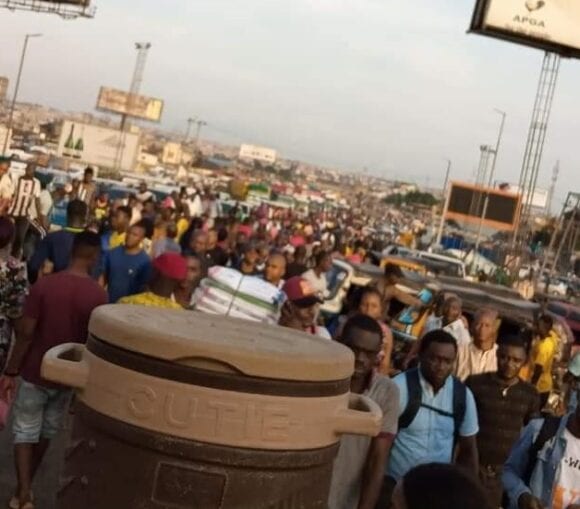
[(453, 266), (552, 286)]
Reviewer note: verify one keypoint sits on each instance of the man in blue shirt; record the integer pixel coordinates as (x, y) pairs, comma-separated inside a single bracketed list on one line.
[(437, 412), (127, 268), (56, 247), (543, 469)]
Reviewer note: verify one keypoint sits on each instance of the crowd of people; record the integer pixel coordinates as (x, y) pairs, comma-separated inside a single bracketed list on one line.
[(464, 425)]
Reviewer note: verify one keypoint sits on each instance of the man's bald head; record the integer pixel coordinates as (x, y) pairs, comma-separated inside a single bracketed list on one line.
[(275, 268)]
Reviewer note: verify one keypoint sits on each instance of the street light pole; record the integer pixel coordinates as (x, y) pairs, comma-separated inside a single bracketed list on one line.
[(489, 184), (16, 88), (200, 124), (446, 204)]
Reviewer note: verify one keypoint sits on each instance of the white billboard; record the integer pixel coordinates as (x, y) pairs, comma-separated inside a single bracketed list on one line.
[(255, 153), (97, 145), (547, 24), (539, 199)]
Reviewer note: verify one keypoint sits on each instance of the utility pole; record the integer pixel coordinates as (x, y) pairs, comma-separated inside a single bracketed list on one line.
[(446, 194), (552, 191), (16, 89), (190, 122), (489, 183), (199, 123)]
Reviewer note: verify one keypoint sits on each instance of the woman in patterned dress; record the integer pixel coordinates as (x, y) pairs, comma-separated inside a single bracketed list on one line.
[(13, 288)]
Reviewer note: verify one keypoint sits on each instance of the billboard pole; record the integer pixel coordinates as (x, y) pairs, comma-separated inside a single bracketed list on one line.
[(536, 139), (489, 183), (142, 50)]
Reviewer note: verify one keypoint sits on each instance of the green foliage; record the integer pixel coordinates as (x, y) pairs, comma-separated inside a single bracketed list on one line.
[(412, 198)]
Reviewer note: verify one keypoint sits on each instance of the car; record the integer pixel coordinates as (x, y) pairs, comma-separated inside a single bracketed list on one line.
[(552, 286), (454, 266)]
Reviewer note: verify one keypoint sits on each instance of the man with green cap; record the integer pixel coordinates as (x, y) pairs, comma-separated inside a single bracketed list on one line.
[(6, 185)]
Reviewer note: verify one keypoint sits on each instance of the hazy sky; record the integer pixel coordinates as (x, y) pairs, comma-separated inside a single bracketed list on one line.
[(392, 85)]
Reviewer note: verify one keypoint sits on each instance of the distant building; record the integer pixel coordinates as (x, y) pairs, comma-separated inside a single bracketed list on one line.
[(172, 153), (260, 154), (3, 88)]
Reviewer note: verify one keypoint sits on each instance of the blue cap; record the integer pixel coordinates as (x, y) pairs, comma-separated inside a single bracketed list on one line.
[(574, 365)]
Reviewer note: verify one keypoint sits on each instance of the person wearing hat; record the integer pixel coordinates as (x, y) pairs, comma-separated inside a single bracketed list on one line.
[(6, 185), (301, 309), (169, 271)]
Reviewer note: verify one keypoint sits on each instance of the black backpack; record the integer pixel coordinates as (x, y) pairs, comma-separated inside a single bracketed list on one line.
[(414, 402), (547, 432)]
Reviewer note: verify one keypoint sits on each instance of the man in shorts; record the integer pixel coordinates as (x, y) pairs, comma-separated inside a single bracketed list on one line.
[(56, 311)]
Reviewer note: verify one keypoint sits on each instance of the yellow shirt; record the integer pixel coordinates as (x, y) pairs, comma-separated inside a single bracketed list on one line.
[(543, 352), (182, 226), (151, 300), (117, 239)]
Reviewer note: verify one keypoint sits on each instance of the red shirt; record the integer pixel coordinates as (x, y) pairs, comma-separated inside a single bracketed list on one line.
[(62, 304)]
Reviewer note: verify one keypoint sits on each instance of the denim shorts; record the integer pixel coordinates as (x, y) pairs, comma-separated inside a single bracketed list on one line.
[(38, 412)]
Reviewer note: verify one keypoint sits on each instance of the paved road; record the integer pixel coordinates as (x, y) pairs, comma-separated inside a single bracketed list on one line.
[(47, 479)]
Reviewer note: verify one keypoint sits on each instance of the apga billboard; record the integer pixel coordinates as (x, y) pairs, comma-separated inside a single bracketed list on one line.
[(132, 105), (97, 145), (551, 25)]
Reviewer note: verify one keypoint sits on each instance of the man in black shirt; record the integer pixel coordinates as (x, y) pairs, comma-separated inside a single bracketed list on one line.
[(298, 266), (505, 404)]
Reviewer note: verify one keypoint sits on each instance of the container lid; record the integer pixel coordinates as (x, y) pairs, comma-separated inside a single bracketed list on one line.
[(220, 343)]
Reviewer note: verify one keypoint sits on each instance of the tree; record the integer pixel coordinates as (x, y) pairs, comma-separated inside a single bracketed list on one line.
[(412, 198)]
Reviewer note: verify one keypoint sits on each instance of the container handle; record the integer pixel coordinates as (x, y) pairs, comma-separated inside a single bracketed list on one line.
[(362, 417), (66, 364)]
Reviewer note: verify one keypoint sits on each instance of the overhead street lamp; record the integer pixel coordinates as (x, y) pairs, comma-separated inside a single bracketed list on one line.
[(446, 194), (489, 184), (16, 88)]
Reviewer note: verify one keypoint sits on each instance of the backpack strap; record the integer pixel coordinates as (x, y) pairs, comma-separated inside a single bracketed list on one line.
[(459, 404), (414, 398), (547, 432)]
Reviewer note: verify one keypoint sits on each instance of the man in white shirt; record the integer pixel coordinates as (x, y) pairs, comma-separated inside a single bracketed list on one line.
[(6, 185), (26, 196), (317, 276), (480, 355), (144, 194)]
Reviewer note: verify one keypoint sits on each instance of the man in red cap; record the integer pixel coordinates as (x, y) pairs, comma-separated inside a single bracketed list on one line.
[(301, 310), (169, 270)]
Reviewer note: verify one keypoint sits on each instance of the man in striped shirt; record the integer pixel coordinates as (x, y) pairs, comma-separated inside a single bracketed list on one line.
[(87, 190), (26, 196)]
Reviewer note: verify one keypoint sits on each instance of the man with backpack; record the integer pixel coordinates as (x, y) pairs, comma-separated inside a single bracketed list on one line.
[(437, 413), (543, 469)]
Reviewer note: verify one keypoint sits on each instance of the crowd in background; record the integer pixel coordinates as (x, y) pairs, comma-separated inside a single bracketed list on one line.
[(464, 397)]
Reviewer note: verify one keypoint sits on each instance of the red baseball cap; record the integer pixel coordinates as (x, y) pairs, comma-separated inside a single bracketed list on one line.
[(300, 292), (171, 265)]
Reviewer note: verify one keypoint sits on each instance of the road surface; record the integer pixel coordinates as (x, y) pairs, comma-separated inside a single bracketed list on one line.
[(47, 478)]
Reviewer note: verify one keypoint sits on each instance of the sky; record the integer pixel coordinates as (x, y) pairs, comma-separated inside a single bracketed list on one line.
[(392, 86)]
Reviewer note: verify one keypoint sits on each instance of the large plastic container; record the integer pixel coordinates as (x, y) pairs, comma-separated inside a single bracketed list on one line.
[(178, 409)]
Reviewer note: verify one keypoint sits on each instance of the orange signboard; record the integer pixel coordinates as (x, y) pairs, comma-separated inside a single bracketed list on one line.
[(465, 203)]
